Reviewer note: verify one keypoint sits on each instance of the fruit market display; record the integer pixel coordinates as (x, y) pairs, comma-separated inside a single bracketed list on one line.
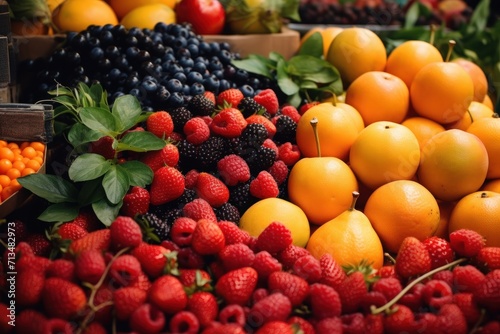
[(188, 190)]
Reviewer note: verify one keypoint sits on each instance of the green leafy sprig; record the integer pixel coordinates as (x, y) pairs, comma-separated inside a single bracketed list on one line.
[(305, 76), (92, 179)]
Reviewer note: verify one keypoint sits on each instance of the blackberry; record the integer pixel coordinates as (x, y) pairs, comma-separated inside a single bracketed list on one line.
[(154, 228), (248, 106), (240, 197), (186, 197), (260, 159), (180, 116), (199, 105), (210, 152), (253, 136), (228, 212), (187, 155), (286, 130)]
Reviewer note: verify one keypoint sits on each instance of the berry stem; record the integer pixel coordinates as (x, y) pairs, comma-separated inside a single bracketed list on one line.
[(314, 124), (355, 196), (394, 300)]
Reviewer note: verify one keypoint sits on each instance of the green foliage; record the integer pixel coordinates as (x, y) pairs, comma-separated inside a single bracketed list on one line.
[(305, 76), (92, 179)]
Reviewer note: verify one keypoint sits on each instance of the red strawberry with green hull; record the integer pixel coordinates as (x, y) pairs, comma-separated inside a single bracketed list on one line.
[(237, 286), (168, 184), (135, 202)]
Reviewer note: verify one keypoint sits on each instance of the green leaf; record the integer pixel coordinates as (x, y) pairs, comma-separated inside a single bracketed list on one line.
[(139, 173), (105, 211), (90, 192), (416, 10), (479, 18), (308, 84), (60, 91), (286, 84), (99, 119), (140, 141), (305, 64), (295, 100), (116, 183), (313, 46), (88, 166), (290, 9), (53, 188), (79, 134), (60, 212), (127, 110), (253, 65), (327, 75)]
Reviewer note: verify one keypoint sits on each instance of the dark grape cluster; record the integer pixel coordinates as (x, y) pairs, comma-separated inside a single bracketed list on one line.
[(163, 67)]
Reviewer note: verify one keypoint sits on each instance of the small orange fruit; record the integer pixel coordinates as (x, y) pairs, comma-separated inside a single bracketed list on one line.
[(328, 34), (5, 166), (349, 238), (409, 57), (475, 111), (379, 96), (423, 128), (123, 7), (400, 209), (442, 92), (258, 216), (478, 211), (490, 185), (383, 152), (147, 16), (453, 164), (355, 51), (77, 15), (337, 130), (487, 129), (477, 75), (6, 153), (353, 113)]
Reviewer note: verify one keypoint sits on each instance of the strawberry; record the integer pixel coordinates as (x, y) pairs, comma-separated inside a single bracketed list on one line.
[(264, 186), (61, 268), (126, 300), (207, 238), (152, 258), (211, 189), (436, 293), (274, 238), (389, 287), (125, 270), (168, 184), (160, 124), (291, 112), (491, 327), (147, 318), (35, 262), (268, 99), (30, 321), (401, 320), (236, 286), (466, 242), (103, 299), (413, 259), (210, 95), (233, 169), (196, 130), (305, 107), (439, 250), (261, 119), (39, 243), (135, 202), (105, 146), (236, 256), (352, 291), (466, 278), (182, 231), (195, 279), (87, 220), (308, 267), (294, 287), (29, 287), (232, 233), (288, 153), (125, 232), (228, 123), (444, 275), (451, 320), (199, 209), (142, 282), (90, 266), (332, 273), (302, 324), (204, 306), (190, 178), (63, 299), (275, 307), (273, 327), (387, 270), (184, 321), (324, 301), (265, 264), (229, 97), (489, 258), (99, 240), (167, 293), (71, 231), (167, 156)]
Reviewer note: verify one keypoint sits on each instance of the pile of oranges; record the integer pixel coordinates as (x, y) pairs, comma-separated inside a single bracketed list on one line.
[(18, 159)]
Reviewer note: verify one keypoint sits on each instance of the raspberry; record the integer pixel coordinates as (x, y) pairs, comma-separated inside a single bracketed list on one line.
[(308, 267), (265, 264), (233, 169), (466, 278), (236, 256), (231, 96), (268, 99), (147, 318), (182, 231), (279, 171), (198, 209), (466, 242), (264, 186), (291, 112), (437, 293), (196, 131), (228, 123), (288, 153), (439, 250)]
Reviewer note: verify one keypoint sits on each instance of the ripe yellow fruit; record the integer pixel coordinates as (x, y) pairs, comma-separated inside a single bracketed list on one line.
[(77, 15), (423, 128), (258, 216), (147, 16), (328, 34), (487, 129), (123, 7)]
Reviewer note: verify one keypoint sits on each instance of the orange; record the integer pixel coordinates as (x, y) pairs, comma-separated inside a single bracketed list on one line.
[(328, 34), (442, 92), (409, 57), (147, 16), (7, 192), (488, 102), (27, 171), (38, 146), (77, 15), (337, 130), (258, 216), (453, 164), (353, 113), (445, 209), (123, 7), (355, 51), (349, 238), (13, 173), (6, 153), (379, 96), (477, 75), (5, 165), (490, 185), (33, 164), (475, 111), (3, 143), (322, 187), (4, 180), (383, 152), (488, 131), (28, 152), (399, 209), (478, 211), (423, 128)]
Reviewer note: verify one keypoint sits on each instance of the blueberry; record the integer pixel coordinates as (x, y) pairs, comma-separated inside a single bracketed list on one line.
[(199, 67), (224, 85), (186, 62), (175, 100), (93, 42), (104, 64), (181, 77), (241, 76), (158, 49), (212, 84), (247, 90), (161, 95), (131, 40), (149, 86), (168, 57), (193, 49), (196, 88), (180, 42), (96, 53), (193, 77), (218, 73), (135, 92), (132, 52), (112, 52), (143, 55), (114, 73), (106, 37), (185, 90), (121, 62), (132, 81), (174, 85), (174, 68), (204, 48), (225, 57)]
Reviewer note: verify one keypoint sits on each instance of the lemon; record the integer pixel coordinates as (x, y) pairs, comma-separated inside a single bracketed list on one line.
[(147, 16)]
